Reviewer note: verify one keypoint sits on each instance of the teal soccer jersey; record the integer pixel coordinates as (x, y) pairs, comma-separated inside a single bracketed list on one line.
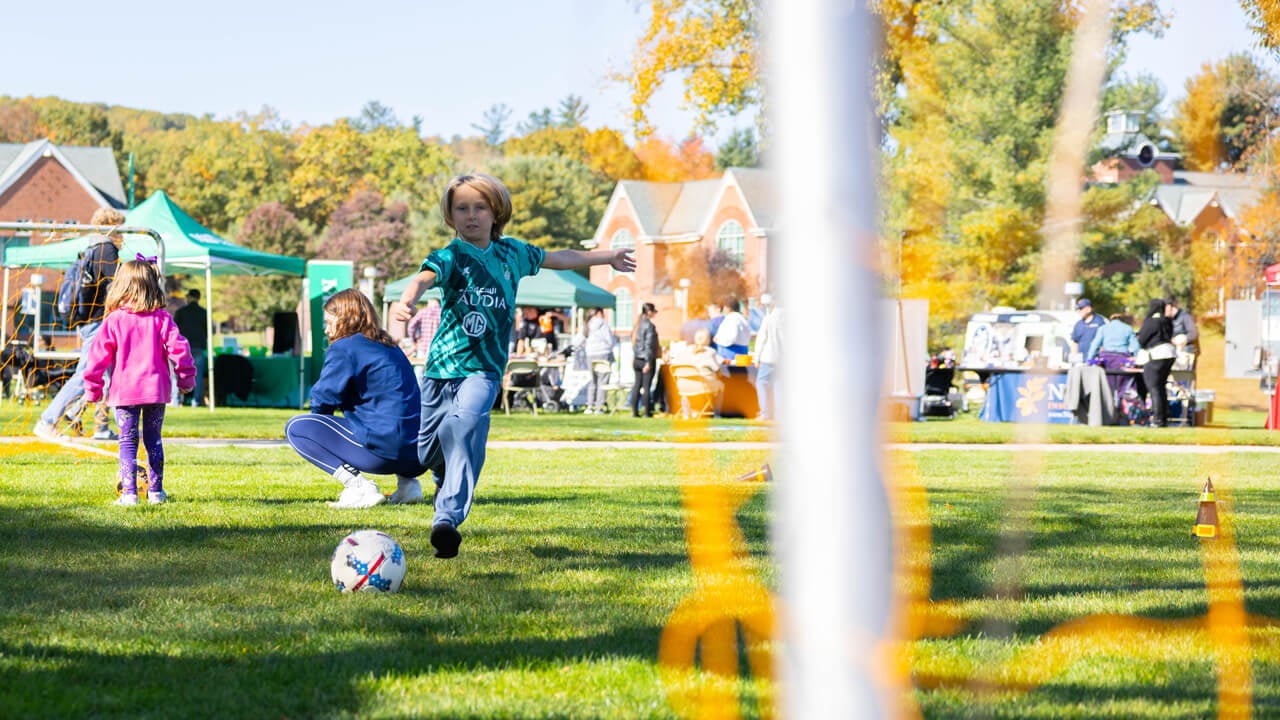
[(478, 304)]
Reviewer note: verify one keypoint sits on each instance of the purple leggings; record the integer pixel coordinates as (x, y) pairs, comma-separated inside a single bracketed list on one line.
[(150, 418)]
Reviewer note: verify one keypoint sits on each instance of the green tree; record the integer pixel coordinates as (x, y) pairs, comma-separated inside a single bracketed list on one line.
[(375, 115), (971, 91), (494, 125), (1125, 238), (328, 166), (603, 150), (217, 170), (1142, 95), (558, 202), (397, 161), (369, 231), (1229, 111), (70, 123), (572, 112), (739, 150), (19, 121), (248, 302)]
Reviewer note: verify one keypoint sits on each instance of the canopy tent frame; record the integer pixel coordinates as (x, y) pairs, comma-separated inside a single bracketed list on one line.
[(198, 250)]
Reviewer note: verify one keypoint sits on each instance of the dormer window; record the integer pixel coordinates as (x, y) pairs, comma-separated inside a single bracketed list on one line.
[(1120, 122)]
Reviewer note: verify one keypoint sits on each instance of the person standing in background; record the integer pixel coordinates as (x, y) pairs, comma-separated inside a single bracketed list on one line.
[(646, 349), (733, 335), (193, 323), (1085, 328), (1156, 337), (768, 347), (1186, 336), (599, 348), (99, 261), (422, 329)]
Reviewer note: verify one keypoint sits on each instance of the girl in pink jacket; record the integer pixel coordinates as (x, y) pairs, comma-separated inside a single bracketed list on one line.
[(136, 346)]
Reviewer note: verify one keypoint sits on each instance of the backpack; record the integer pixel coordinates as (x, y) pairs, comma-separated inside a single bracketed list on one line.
[(73, 280), (69, 288)]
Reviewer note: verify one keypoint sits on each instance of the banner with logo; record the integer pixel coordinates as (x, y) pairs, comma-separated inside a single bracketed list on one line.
[(1027, 397)]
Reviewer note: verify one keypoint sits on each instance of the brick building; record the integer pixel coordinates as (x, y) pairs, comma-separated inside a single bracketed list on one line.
[(44, 182), (667, 223)]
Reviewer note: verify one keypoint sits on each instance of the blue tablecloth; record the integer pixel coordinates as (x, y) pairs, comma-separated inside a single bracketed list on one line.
[(1027, 396)]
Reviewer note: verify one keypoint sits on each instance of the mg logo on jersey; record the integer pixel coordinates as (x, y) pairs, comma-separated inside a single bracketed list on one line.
[(474, 324)]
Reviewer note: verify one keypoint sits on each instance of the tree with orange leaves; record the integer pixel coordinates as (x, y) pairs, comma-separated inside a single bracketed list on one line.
[(1229, 110), (690, 160)]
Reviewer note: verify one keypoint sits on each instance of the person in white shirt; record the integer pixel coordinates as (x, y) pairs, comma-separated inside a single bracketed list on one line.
[(734, 334)]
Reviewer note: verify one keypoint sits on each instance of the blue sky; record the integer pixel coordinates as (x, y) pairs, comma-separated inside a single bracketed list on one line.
[(444, 61)]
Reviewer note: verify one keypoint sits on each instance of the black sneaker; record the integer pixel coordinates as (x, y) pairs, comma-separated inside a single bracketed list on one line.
[(445, 538)]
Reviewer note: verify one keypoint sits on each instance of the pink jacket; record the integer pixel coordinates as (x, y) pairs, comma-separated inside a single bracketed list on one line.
[(137, 349)]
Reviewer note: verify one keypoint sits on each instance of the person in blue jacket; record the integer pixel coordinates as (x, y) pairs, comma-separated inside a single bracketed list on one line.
[(367, 377)]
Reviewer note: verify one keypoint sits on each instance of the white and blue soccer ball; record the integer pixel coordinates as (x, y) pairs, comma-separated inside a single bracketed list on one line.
[(368, 561)]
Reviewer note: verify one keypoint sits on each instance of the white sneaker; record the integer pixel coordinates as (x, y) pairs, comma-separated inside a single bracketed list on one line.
[(126, 500), (45, 431), (157, 497), (408, 494), (363, 494)]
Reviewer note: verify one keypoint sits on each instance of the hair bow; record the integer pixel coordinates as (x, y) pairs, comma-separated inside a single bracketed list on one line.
[(144, 258)]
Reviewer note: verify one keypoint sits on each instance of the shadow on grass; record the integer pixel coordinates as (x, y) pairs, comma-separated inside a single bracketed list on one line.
[(199, 611)]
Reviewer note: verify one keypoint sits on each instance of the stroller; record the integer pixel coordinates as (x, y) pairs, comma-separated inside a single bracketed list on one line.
[(543, 387), (939, 399)]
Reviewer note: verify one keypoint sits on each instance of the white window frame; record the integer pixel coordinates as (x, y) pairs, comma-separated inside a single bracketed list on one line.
[(623, 309), (620, 239), (731, 239)]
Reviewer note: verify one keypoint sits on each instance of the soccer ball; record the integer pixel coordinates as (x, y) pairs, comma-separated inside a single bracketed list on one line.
[(367, 561)]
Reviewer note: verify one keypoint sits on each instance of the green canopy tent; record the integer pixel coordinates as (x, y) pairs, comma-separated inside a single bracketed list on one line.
[(549, 288), (189, 247)]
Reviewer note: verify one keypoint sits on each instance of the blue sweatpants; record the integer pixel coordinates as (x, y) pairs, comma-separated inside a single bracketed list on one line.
[(328, 442), (451, 443)]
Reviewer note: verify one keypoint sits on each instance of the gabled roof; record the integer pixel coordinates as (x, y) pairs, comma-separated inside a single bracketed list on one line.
[(1190, 193), (93, 167), (672, 210)]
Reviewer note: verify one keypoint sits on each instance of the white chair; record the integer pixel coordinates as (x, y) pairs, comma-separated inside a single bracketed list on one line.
[(521, 370)]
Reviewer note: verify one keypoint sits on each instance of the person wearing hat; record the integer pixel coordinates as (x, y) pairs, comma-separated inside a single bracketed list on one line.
[(1086, 327)]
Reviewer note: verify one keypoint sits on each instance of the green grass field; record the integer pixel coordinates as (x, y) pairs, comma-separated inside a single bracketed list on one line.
[(219, 604)]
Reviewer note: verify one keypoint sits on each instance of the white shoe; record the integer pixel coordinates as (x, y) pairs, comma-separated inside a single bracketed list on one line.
[(45, 431), (126, 500), (409, 493), (155, 498), (363, 494)]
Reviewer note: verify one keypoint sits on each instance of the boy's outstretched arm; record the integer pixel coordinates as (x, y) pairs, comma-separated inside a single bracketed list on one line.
[(620, 259), (402, 309)]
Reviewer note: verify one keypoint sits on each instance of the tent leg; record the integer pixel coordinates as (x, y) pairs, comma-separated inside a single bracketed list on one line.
[(208, 321), (302, 358)]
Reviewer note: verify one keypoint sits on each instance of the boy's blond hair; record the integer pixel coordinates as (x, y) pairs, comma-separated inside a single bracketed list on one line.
[(106, 216), (354, 314), (495, 194), (137, 286)]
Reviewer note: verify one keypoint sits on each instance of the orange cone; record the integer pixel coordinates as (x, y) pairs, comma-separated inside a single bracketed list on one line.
[(1207, 516), (764, 474)]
